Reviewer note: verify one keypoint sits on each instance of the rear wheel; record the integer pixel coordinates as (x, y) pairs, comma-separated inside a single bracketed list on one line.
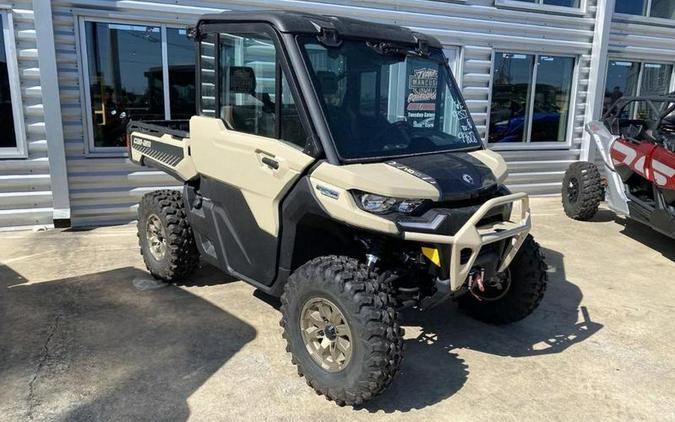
[(513, 294), (165, 236), (582, 190), (341, 328)]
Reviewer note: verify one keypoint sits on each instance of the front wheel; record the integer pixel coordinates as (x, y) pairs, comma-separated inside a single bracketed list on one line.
[(513, 294), (582, 190), (341, 328)]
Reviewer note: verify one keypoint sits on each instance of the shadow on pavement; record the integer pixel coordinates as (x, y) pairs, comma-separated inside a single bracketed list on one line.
[(648, 237), (96, 348), (432, 369)]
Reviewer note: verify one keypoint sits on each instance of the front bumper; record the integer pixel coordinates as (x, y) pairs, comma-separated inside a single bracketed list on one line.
[(472, 237)]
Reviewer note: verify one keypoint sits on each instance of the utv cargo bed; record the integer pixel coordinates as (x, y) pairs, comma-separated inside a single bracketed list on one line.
[(163, 144)]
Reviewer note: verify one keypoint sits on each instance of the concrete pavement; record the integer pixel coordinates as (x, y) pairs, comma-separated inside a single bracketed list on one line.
[(84, 335)]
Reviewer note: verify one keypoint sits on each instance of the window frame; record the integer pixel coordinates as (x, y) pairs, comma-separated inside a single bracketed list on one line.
[(20, 150), (525, 145), (282, 70), (539, 6), (91, 150)]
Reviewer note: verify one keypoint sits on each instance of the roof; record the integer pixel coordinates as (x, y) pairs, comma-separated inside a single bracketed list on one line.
[(305, 23)]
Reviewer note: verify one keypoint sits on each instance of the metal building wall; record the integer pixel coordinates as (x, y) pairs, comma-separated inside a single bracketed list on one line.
[(642, 39), (105, 190), (25, 188)]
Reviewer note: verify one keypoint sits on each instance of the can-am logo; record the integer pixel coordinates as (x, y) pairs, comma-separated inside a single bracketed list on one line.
[(468, 179)]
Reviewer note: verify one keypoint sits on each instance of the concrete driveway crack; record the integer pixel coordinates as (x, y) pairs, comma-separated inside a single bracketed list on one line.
[(41, 363)]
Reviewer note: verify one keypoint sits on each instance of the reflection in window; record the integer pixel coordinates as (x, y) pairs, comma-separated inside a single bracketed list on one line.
[(511, 86), (623, 77), (552, 99), (181, 58), (7, 132), (654, 8), (125, 77), (631, 7), (524, 110), (622, 80), (663, 9), (655, 79), (566, 3)]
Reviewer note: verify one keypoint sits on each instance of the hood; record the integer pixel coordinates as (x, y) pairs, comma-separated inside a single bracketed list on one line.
[(456, 175)]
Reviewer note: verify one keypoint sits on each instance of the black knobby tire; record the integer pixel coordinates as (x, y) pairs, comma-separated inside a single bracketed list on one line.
[(181, 257), (526, 290), (582, 190), (365, 299)]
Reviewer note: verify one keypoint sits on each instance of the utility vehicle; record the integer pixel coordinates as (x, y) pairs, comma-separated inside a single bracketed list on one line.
[(636, 141), (334, 163)]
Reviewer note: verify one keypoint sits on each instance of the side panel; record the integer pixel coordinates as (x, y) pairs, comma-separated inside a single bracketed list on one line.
[(241, 160), (227, 233), (164, 152), (243, 180), (663, 168)]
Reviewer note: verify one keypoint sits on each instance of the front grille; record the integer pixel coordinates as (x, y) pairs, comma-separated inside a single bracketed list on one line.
[(475, 200)]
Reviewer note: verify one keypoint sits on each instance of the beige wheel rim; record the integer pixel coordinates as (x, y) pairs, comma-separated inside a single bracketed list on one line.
[(156, 236), (326, 334)]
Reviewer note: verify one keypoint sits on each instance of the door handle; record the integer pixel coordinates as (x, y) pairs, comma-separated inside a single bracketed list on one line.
[(271, 163)]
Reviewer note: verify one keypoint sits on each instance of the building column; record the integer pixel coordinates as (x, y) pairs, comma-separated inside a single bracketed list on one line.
[(49, 83), (598, 72)]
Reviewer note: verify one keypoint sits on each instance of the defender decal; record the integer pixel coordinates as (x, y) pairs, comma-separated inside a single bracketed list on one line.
[(413, 172), (164, 153)]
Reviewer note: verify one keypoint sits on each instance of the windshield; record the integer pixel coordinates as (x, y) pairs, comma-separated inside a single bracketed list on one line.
[(386, 101)]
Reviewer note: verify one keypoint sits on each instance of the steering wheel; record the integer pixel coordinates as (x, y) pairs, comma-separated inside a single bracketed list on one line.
[(633, 131), (401, 130)]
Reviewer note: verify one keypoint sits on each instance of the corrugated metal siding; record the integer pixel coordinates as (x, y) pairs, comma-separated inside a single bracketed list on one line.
[(25, 188), (640, 42), (105, 190)]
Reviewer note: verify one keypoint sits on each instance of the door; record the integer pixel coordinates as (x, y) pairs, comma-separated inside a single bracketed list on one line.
[(249, 152)]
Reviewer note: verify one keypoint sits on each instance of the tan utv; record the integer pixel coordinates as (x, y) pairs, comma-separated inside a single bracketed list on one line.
[(333, 163)]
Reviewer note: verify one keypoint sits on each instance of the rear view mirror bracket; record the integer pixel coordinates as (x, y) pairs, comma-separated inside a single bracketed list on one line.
[(329, 37)]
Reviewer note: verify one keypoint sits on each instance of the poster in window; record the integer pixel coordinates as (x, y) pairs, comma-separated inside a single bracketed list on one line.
[(420, 110)]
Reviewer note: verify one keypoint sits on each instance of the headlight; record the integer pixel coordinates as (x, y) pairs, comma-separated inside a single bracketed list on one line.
[(378, 204)]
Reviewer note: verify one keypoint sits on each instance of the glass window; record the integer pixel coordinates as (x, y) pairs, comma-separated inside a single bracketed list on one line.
[(565, 3), (568, 3), (655, 79), (7, 130), (552, 98), (622, 79), (291, 125), (527, 110), (181, 58), (663, 9), (247, 76), (386, 102), (511, 85), (126, 64), (631, 7), (248, 72), (125, 78), (635, 79), (654, 8)]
